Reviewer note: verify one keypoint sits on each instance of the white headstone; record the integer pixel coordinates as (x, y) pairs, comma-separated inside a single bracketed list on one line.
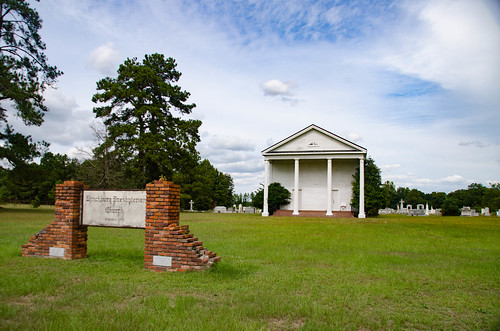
[(220, 209)]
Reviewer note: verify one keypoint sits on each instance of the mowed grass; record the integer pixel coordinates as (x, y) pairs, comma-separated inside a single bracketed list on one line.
[(275, 273)]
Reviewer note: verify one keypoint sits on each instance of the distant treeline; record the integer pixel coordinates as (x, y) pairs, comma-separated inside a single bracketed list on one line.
[(476, 196)]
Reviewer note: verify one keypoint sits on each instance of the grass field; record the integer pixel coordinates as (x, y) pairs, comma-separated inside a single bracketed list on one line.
[(275, 273)]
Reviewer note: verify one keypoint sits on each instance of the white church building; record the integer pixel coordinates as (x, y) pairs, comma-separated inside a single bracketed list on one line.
[(316, 166)]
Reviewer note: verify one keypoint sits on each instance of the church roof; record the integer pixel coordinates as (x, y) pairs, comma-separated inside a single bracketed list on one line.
[(314, 141)]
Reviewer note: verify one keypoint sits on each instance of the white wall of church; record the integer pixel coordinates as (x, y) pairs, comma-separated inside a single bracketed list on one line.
[(313, 182)]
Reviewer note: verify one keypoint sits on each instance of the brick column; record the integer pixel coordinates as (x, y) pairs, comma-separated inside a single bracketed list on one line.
[(64, 238), (169, 246)]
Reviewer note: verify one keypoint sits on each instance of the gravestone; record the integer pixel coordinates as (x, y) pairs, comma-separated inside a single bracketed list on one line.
[(420, 211), (249, 210), (466, 211), (220, 209), (386, 211), (485, 211)]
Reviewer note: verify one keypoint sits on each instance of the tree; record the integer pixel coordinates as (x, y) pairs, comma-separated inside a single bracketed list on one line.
[(415, 197), (374, 198), (103, 169), (143, 130), (388, 193), (451, 206), (35, 183), (206, 186), (435, 199), (491, 197), (24, 75), (277, 196)]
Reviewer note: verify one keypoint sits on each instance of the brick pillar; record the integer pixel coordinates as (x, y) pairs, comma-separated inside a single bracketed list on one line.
[(169, 246), (63, 238)]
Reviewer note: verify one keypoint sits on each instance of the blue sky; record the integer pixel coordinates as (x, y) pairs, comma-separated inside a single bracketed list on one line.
[(417, 83)]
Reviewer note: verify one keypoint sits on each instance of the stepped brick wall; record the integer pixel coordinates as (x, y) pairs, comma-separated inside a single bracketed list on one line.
[(63, 238), (168, 245)]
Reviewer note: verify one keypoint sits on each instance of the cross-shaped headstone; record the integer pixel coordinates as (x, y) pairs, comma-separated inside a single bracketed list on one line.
[(191, 205)]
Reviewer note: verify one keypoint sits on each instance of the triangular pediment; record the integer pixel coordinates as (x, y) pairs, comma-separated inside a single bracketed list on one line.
[(314, 139)]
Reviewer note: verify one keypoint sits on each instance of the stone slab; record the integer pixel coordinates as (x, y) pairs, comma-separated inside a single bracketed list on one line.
[(164, 261), (56, 251), (114, 208)]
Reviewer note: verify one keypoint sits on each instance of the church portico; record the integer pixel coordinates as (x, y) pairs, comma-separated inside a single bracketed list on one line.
[(316, 167)]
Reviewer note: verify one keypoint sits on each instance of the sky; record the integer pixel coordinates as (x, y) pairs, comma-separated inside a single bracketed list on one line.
[(416, 83)]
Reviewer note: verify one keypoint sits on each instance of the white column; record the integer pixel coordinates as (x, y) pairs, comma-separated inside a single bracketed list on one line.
[(265, 211), (329, 188), (296, 189), (361, 189)]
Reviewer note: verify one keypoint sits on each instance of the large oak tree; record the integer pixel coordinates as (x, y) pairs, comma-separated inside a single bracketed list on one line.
[(138, 110)]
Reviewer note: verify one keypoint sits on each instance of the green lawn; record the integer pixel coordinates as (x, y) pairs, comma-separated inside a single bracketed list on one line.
[(275, 273)]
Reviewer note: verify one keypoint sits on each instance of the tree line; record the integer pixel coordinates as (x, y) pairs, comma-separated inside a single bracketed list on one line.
[(380, 195)]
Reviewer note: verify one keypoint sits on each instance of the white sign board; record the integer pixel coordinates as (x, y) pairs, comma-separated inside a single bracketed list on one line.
[(114, 208)]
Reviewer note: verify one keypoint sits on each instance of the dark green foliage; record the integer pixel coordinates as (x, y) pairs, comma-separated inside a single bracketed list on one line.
[(374, 194), (35, 203), (258, 198), (435, 199), (24, 75), (142, 129), (491, 197), (277, 196), (206, 186), (476, 196), (18, 149), (410, 196), (388, 193), (35, 183), (451, 206)]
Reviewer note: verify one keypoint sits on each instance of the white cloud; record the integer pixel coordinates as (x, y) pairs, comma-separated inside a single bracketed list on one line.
[(104, 59), (453, 42), (453, 179), (60, 105), (277, 88)]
